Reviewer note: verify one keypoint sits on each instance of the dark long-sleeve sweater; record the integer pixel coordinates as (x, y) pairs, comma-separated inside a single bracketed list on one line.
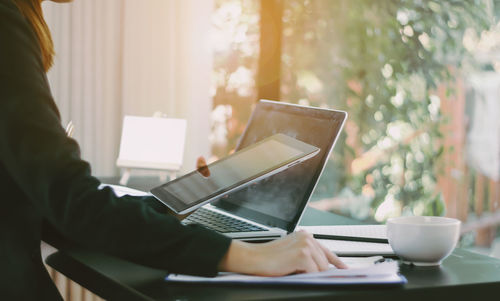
[(47, 191)]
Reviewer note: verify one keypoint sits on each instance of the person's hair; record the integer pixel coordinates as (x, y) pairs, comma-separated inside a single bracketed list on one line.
[(32, 11)]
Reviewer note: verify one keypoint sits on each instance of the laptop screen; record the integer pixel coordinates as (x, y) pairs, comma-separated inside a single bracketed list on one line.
[(278, 201)]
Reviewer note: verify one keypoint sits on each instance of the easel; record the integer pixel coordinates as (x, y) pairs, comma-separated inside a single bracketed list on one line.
[(164, 175), (152, 143)]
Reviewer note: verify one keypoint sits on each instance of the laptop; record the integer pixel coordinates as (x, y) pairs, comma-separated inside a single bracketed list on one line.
[(272, 207)]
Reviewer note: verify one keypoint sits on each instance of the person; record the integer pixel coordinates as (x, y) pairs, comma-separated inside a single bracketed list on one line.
[(48, 192)]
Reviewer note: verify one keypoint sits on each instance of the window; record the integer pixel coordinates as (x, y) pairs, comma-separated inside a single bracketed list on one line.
[(236, 35), (397, 68)]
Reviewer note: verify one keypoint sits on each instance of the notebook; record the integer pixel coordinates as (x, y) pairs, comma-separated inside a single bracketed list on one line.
[(361, 271)]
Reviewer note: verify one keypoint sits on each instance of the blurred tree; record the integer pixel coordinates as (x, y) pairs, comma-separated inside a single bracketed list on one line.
[(235, 39), (381, 61)]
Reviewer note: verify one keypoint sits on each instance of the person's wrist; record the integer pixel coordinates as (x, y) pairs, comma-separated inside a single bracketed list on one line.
[(241, 257)]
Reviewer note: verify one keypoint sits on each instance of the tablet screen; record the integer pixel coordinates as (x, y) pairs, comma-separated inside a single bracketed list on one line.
[(223, 175)]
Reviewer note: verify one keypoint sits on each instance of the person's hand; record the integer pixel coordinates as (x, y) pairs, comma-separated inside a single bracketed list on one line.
[(202, 168), (296, 253)]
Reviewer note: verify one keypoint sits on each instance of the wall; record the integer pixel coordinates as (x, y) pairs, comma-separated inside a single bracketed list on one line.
[(118, 57)]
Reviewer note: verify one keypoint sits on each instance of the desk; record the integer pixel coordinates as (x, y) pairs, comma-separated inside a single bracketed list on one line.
[(462, 275)]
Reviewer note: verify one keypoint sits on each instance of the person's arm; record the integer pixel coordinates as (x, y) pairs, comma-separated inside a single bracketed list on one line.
[(46, 165)]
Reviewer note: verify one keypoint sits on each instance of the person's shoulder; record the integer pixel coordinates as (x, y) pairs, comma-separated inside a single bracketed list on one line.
[(9, 5), (11, 15), (16, 34), (20, 57)]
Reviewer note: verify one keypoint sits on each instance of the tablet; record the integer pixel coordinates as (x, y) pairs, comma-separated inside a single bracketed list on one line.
[(248, 165)]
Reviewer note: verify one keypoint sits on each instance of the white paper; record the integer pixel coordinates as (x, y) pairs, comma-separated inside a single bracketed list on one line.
[(368, 231), (360, 262), (122, 190), (385, 268), (238, 278), (386, 272), (353, 248)]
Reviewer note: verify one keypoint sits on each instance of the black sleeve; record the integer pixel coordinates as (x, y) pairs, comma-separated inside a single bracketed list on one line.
[(40, 158)]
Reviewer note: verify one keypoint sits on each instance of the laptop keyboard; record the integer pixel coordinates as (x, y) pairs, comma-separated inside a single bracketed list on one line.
[(219, 222)]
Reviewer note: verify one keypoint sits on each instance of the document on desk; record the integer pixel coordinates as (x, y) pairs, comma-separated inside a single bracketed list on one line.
[(360, 271), (353, 240), (356, 248), (123, 190)]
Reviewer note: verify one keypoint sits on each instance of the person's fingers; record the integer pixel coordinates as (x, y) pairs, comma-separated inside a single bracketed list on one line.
[(200, 162), (319, 256), (202, 168), (307, 264), (333, 258), (314, 257)]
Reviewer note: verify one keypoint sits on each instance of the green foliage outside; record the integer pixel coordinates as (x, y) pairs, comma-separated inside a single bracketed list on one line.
[(382, 62), (236, 35)]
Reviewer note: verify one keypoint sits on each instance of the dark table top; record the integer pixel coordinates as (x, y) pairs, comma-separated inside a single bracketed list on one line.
[(462, 275)]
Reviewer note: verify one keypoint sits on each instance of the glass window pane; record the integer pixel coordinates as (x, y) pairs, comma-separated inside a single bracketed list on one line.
[(391, 66), (236, 35)]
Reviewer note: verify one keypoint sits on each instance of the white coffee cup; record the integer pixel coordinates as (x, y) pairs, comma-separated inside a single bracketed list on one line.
[(423, 240)]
